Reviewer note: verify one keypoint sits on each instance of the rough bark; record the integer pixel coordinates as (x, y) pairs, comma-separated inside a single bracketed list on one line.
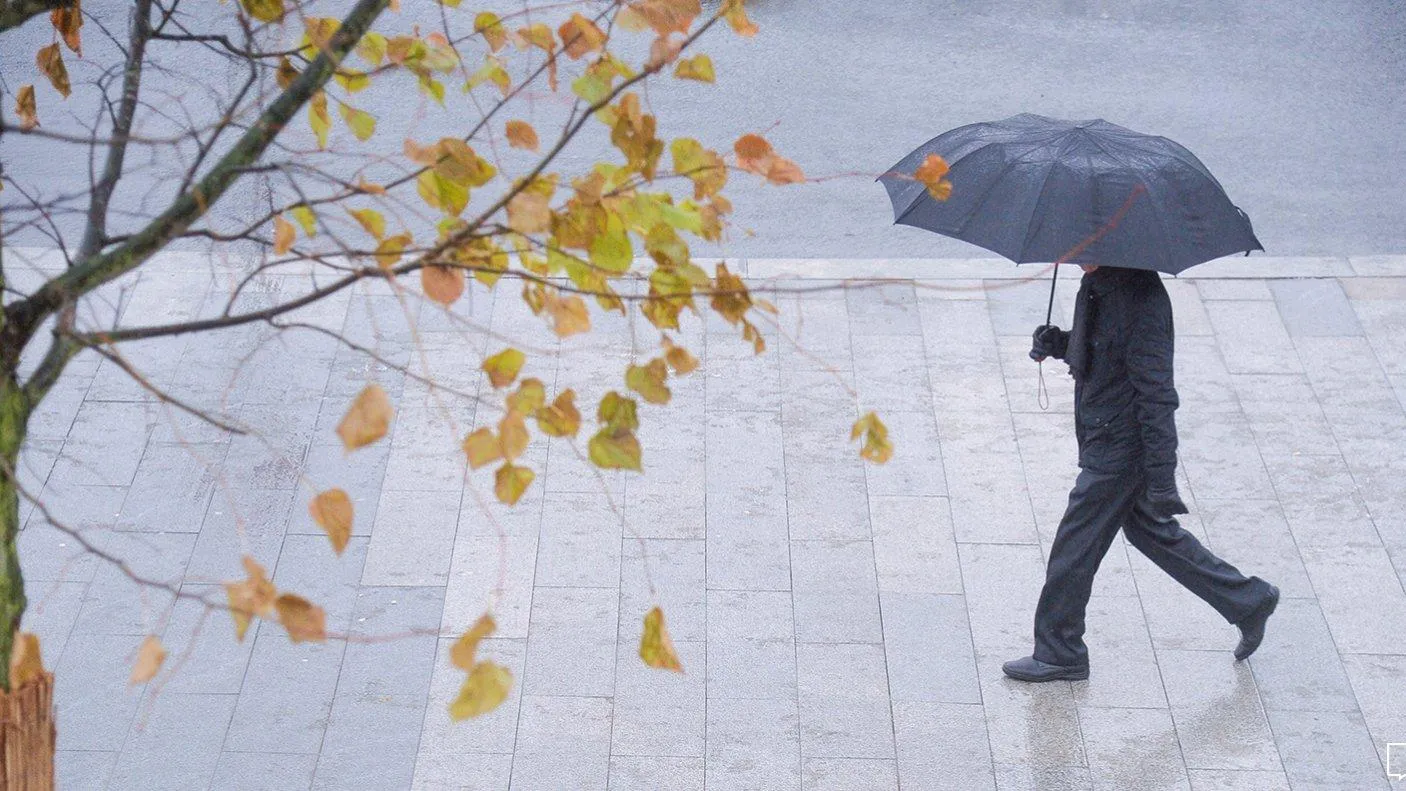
[(28, 736), (14, 13)]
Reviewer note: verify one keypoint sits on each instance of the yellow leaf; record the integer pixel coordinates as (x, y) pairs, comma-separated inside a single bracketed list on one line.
[(370, 188), (611, 249), (149, 658), (67, 21), (648, 380), (510, 482), (569, 315), (482, 448), (283, 235), (492, 71), (332, 511), (264, 10), (305, 621), (680, 360), (352, 81), (876, 446), (443, 284), (736, 16), (617, 412), (615, 450), (580, 36), (484, 690), (50, 61), (254, 596), (932, 173), (491, 27), (368, 419), (433, 88), (319, 119), (442, 193), (372, 48), (530, 397), (699, 67), (305, 217), (26, 664), (389, 250), (703, 167), (522, 135), (656, 649), (560, 418), (529, 212), (462, 653), (503, 367), (371, 220), (361, 123), (537, 35), (25, 108)]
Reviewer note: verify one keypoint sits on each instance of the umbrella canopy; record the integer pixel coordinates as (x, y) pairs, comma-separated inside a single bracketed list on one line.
[(1042, 190)]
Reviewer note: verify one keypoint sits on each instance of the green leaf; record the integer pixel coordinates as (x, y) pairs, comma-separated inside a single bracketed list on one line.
[(611, 249), (615, 450), (361, 123)]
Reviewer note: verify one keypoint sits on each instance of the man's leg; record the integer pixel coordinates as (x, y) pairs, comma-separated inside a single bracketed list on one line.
[(1178, 553), (1098, 505)]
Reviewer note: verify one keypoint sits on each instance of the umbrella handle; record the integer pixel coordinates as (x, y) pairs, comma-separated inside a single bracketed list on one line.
[(1049, 310)]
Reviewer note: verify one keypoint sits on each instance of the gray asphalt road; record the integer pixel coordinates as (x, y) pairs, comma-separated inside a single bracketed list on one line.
[(1297, 107)]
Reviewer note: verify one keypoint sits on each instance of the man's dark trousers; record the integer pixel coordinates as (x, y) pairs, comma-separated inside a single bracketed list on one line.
[(1100, 504)]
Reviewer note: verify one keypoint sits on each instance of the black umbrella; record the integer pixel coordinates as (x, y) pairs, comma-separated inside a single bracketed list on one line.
[(1042, 190)]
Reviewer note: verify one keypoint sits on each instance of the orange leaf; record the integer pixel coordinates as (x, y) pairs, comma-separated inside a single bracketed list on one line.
[(737, 17), (50, 61), (752, 148), (522, 135), (482, 448), (656, 649), (932, 173), (443, 284), (368, 418), (488, 24), (580, 36), (784, 171), (283, 235), (332, 511), (529, 212), (67, 21), (25, 107), (305, 621), (149, 659), (254, 596)]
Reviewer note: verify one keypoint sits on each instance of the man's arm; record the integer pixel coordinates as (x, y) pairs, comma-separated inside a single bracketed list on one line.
[(1150, 349)]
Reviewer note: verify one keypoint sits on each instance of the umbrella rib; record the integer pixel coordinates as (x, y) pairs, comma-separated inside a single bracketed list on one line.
[(1040, 199)]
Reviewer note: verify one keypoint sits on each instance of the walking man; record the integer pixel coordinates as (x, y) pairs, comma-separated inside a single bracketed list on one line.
[(1119, 352)]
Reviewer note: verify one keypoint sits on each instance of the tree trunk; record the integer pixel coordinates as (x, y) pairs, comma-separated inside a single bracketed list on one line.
[(27, 733)]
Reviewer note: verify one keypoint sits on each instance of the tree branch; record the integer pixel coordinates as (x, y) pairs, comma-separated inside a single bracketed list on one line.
[(14, 13), (90, 273)]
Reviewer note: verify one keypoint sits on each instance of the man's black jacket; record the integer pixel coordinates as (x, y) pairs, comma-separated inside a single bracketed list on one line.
[(1120, 354)]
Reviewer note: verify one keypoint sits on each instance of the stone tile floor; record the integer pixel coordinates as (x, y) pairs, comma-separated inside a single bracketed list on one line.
[(841, 625)]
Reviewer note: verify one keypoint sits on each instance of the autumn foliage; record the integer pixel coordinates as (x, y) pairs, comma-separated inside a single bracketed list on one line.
[(612, 238)]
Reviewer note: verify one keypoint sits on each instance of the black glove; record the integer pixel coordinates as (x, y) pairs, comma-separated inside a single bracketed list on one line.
[(1048, 341), (1165, 502)]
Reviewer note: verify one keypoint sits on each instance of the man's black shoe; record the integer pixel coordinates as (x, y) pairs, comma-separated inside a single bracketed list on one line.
[(1032, 669), (1252, 627)]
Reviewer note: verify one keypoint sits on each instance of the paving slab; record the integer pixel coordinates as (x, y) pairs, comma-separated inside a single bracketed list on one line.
[(841, 625)]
